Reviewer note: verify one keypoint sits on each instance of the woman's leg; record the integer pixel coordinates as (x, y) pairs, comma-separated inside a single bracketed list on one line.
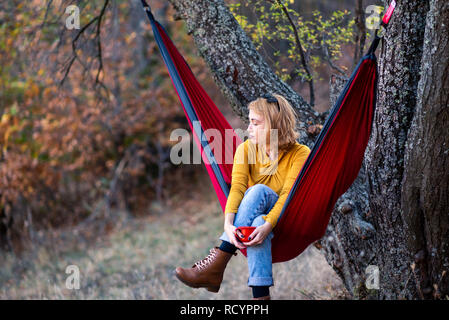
[(259, 260), (257, 202), (208, 273)]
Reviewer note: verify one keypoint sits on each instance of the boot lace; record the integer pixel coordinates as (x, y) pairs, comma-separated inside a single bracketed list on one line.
[(206, 261)]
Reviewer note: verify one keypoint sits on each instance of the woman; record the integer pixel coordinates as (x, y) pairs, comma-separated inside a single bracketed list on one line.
[(265, 167)]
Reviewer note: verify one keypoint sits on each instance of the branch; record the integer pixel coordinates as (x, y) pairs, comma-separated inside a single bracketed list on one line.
[(360, 37), (75, 57), (240, 71), (301, 52), (100, 59), (331, 63), (46, 13)]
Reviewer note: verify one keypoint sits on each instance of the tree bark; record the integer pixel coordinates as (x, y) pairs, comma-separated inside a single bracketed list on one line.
[(399, 68), (239, 70), (425, 185)]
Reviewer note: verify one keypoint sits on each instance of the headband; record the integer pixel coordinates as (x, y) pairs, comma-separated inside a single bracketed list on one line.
[(271, 99)]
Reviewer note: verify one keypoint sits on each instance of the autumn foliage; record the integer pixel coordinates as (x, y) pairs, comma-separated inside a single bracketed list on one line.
[(86, 114), (96, 134)]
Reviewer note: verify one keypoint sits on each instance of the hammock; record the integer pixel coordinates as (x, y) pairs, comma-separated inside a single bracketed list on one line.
[(331, 167)]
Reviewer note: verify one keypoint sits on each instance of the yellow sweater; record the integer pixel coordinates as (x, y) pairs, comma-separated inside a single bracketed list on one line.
[(252, 167)]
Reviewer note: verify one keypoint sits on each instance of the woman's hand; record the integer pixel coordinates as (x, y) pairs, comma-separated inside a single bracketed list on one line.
[(230, 231), (229, 228), (259, 234)]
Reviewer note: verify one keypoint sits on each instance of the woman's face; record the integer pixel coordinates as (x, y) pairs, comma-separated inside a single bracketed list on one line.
[(256, 127)]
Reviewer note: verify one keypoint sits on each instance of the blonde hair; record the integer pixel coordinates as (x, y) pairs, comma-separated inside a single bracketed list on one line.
[(282, 119)]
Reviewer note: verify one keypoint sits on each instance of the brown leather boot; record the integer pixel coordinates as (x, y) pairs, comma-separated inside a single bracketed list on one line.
[(206, 273)]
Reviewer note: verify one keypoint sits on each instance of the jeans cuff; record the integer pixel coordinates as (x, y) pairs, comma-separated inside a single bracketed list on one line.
[(224, 237), (260, 281)]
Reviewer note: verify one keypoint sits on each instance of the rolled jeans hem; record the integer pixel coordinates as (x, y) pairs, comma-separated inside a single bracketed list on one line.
[(224, 237), (257, 201), (260, 281)]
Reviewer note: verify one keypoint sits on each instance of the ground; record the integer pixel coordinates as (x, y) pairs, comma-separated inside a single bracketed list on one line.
[(137, 259)]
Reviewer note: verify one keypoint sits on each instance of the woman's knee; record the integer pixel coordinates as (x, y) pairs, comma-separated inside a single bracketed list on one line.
[(258, 189), (258, 221)]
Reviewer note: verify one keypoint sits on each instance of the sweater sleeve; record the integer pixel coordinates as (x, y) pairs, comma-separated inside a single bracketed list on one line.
[(297, 162), (240, 176)]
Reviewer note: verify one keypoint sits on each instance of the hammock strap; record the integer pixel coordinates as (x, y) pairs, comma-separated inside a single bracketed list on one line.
[(380, 31), (192, 115)]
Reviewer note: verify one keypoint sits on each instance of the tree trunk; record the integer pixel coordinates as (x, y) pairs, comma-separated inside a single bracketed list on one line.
[(425, 185), (399, 68), (239, 70), (378, 221)]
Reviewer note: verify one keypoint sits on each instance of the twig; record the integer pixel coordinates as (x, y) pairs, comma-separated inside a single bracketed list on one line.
[(329, 60), (46, 13), (100, 58), (75, 55), (97, 19), (300, 49), (361, 31)]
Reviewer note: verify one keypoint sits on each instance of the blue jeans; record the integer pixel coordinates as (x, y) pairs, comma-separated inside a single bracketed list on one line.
[(256, 203)]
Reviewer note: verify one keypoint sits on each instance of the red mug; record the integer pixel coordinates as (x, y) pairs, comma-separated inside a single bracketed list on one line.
[(245, 231)]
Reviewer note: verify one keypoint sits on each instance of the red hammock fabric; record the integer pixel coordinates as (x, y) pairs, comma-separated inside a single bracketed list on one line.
[(328, 172), (331, 169), (209, 116)]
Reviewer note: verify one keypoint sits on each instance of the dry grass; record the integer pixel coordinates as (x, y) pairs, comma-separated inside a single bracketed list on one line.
[(137, 262)]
